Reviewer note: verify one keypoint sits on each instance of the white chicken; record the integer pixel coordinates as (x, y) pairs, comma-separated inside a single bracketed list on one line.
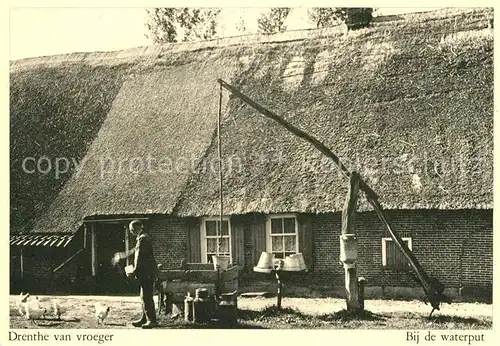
[(101, 312), (34, 312), (58, 309), (20, 302), (35, 303)]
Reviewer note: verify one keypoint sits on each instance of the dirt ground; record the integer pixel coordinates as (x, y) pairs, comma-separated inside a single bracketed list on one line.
[(296, 313)]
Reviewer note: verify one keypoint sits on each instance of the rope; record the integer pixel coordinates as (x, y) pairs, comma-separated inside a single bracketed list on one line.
[(220, 166)]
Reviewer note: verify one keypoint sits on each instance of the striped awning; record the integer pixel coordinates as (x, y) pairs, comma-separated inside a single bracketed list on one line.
[(47, 240)]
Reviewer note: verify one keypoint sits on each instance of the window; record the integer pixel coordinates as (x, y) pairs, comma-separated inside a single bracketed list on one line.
[(282, 235), (212, 236), (392, 256)]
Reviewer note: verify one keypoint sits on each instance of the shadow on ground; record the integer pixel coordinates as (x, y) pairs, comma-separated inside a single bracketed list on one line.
[(269, 311), (213, 325), (344, 316), (178, 322)]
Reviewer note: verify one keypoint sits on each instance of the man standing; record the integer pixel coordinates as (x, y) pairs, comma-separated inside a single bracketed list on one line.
[(145, 270)]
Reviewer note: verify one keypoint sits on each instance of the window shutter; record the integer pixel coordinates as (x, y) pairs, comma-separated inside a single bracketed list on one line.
[(390, 253), (395, 259), (237, 244), (306, 239), (401, 262), (194, 243)]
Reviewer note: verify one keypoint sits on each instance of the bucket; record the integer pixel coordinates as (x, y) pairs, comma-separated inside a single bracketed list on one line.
[(129, 269), (291, 264), (220, 261), (302, 262), (266, 261)]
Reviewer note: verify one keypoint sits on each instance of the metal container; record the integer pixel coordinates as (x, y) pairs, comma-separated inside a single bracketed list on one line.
[(228, 312), (266, 261), (188, 308), (292, 264), (348, 249), (220, 262), (201, 306), (202, 293)]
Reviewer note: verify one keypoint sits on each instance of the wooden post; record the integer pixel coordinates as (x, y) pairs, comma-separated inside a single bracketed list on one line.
[(351, 286), (93, 256), (85, 236), (127, 245), (22, 264), (347, 229), (361, 293), (279, 292)]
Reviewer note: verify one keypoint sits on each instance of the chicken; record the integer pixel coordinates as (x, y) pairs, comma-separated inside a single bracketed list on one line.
[(58, 309), (35, 303), (101, 312), (23, 298), (34, 312)]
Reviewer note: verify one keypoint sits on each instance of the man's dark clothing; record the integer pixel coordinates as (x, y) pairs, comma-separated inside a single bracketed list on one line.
[(148, 305), (146, 271)]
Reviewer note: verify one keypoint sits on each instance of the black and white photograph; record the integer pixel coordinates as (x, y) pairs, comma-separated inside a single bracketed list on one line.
[(251, 168)]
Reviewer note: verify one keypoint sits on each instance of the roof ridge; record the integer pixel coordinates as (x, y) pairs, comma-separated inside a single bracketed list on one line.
[(155, 50)]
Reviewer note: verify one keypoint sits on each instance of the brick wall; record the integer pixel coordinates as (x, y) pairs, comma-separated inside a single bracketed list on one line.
[(169, 239), (454, 246), (38, 265)]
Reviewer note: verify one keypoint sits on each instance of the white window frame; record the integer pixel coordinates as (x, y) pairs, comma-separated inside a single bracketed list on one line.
[(203, 236), (268, 231), (384, 247)]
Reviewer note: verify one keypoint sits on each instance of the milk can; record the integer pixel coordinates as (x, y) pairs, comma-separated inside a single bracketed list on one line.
[(348, 250), (188, 308), (201, 306), (228, 312)]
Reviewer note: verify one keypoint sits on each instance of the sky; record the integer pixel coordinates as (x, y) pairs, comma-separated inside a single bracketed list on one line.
[(49, 31)]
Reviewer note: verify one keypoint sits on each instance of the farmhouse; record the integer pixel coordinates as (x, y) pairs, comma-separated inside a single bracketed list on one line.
[(407, 102)]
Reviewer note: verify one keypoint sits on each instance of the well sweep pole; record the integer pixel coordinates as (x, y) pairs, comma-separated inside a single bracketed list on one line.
[(428, 285)]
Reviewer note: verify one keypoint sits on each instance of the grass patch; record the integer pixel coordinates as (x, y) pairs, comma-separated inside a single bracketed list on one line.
[(458, 320)]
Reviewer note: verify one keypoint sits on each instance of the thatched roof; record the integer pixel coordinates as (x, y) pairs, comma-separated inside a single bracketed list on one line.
[(408, 105), (398, 93), (157, 118), (55, 112)]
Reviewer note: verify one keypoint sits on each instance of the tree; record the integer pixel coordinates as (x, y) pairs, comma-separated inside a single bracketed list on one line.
[(273, 21), (167, 24), (353, 17), (324, 17), (161, 25), (198, 23)]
